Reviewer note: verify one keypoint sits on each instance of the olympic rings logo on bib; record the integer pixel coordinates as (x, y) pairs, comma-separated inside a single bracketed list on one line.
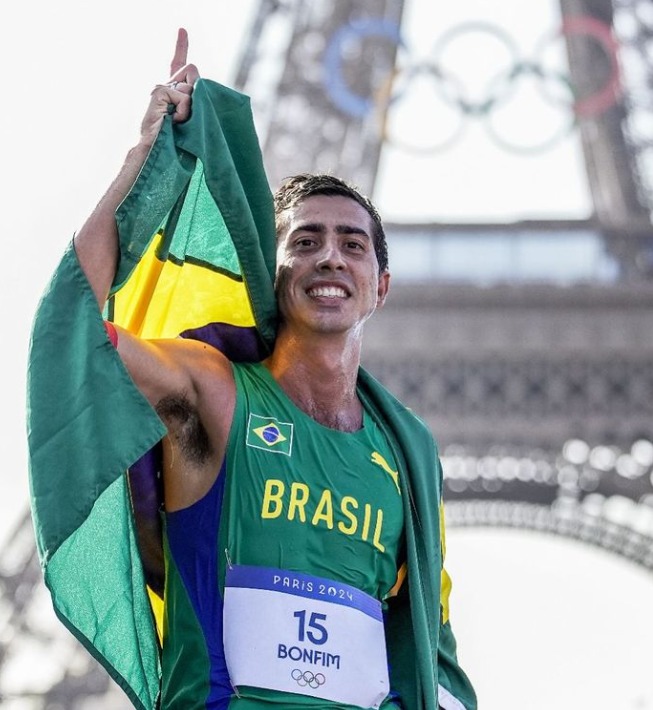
[(308, 678)]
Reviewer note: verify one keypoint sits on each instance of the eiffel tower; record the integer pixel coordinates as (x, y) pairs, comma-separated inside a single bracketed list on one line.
[(540, 396)]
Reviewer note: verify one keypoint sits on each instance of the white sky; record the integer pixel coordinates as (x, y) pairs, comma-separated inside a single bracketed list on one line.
[(541, 622)]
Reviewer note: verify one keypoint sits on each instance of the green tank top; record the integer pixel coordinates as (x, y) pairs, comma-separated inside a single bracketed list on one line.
[(305, 498)]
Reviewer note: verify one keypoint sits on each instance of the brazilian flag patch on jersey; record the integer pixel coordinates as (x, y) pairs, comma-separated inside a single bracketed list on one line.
[(269, 434)]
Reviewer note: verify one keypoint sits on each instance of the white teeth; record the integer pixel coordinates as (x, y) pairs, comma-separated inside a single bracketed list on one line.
[(328, 291)]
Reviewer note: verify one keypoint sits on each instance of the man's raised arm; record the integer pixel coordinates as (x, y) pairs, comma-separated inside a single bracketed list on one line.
[(96, 243)]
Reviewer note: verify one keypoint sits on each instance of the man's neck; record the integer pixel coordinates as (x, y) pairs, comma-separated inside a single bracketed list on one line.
[(320, 378)]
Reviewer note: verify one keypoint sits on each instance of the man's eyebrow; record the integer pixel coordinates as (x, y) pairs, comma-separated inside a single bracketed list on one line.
[(348, 229), (314, 227), (318, 227)]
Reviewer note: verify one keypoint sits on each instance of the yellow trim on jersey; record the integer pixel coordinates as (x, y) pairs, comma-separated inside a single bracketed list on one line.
[(445, 579)]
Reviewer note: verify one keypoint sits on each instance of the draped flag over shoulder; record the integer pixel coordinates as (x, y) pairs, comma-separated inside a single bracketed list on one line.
[(197, 250)]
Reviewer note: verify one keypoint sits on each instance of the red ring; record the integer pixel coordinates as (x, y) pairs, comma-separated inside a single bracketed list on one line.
[(607, 96)]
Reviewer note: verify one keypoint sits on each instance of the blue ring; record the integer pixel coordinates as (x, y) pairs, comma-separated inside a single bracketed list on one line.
[(334, 84)]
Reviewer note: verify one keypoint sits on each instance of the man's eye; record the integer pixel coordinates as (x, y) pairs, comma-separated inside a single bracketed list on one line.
[(305, 242), (357, 246)]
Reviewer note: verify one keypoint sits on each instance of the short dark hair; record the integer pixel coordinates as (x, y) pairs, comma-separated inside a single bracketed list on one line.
[(298, 188)]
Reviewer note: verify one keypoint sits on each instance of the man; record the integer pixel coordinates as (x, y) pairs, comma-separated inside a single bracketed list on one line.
[(288, 506)]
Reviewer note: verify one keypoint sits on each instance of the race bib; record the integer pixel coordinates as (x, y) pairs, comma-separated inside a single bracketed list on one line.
[(302, 634)]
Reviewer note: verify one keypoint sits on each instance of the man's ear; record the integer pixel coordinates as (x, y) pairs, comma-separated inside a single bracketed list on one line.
[(382, 290)]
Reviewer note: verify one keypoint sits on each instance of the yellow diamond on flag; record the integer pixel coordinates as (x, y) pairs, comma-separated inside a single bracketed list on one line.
[(270, 434)]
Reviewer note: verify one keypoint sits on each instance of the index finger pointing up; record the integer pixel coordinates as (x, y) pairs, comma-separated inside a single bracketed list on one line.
[(181, 52)]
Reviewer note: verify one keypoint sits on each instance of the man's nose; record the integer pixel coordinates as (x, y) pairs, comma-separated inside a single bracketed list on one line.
[(330, 257)]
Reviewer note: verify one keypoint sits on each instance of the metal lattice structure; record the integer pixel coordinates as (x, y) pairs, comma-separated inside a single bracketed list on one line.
[(633, 24), (618, 141), (303, 127), (540, 398)]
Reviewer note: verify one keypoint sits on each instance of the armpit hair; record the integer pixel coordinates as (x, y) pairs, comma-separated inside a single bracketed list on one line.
[(185, 427)]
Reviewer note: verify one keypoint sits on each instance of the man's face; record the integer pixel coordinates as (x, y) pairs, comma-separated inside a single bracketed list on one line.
[(327, 273)]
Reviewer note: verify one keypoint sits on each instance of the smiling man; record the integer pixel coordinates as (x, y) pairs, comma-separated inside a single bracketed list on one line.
[(329, 282), (303, 531)]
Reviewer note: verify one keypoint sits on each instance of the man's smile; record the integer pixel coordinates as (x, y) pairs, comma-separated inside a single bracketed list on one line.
[(327, 291)]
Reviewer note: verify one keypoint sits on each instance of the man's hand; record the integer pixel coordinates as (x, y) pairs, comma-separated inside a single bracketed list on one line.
[(176, 92)]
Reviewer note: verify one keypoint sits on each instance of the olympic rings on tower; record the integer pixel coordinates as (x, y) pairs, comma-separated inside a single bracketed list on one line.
[(451, 91)]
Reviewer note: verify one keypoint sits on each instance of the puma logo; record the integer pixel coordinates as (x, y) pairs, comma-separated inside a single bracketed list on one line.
[(380, 461)]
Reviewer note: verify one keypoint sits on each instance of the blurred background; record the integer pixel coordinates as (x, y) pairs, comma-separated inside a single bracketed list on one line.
[(509, 148)]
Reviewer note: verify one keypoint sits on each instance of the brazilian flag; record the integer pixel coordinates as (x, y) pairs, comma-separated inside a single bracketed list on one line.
[(197, 252)]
